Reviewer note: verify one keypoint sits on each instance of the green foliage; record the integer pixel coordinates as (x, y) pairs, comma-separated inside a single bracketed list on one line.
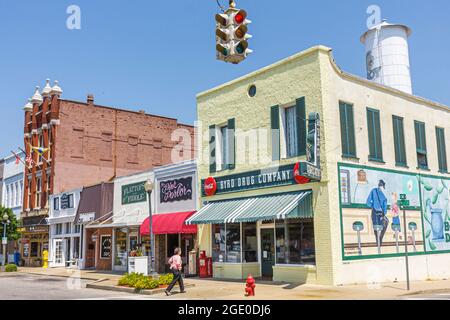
[(12, 229), (10, 268), (141, 282), (166, 279)]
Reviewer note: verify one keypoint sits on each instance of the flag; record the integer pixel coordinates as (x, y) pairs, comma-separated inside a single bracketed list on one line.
[(40, 151), (28, 158), (18, 159)]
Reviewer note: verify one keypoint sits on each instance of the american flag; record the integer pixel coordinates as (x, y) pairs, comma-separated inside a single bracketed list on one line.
[(29, 159)]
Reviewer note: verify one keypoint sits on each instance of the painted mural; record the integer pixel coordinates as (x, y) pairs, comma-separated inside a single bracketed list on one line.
[(372, 222), (436, 213)]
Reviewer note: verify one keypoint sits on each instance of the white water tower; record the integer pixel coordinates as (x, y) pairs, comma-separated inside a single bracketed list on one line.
[(387, 55)]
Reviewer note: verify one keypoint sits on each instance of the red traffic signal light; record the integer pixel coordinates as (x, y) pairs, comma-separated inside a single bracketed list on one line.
[(240, 16)]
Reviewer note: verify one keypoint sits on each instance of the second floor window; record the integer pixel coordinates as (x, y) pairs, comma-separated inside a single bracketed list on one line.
[(374, 131), (399, 141), (347, 130), (56, 203), (442, 150), (58, 228), (224, 148), (291, 132), (421, 145)]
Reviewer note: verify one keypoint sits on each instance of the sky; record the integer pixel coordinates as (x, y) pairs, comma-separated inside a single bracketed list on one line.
[(157, 55)]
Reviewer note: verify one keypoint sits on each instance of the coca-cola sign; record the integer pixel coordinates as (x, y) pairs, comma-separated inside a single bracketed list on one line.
[(175, 190)]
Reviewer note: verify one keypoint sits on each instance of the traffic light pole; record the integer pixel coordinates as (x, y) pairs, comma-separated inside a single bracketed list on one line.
[(406, 250)]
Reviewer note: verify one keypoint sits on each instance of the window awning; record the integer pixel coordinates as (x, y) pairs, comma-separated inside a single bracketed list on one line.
[(263, 208), (169, 223)]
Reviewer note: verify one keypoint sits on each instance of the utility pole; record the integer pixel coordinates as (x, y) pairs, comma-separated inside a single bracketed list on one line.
[(403, 204)]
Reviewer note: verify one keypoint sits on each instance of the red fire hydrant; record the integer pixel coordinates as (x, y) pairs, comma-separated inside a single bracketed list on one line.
[(250, 286)]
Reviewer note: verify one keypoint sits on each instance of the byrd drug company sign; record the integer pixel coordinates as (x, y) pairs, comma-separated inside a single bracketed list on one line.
[(258, 179)]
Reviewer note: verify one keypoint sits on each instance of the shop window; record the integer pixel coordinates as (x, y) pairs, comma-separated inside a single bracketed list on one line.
[(120, 258), (34, 250), (295, 241), (233, 243), (76, 247), (249, 242), (105, 249), (218, 245)]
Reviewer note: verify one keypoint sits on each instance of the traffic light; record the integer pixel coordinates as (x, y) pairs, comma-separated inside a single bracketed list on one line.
[(232, 35)]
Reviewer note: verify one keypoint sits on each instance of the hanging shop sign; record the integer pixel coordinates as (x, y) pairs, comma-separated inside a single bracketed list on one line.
[(313, 140), (134, 193), (86, 217), (258, 179), (175, 190), (106, 247)]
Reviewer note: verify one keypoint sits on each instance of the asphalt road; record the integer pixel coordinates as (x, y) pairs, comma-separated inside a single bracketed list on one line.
[(36, 287)]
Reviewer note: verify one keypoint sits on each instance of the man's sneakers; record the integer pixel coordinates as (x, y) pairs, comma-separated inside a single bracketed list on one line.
[(167, 293)]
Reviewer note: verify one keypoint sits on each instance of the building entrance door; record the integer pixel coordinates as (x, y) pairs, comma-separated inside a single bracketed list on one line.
[(267, 252), (59, 253)]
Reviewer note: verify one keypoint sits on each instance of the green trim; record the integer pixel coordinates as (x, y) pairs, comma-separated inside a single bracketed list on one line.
[(393, 255), (376, 160), (347, 125), (374, 130), (363, 206)]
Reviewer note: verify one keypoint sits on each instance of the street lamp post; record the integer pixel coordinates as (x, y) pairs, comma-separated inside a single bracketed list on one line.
[(5, 221), (149, 188)]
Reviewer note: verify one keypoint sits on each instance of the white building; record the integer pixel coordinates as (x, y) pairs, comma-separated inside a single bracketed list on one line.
[(12, 183), (64, 244)]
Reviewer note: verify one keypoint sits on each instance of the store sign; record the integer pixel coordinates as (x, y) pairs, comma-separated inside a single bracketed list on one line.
[(313, 140), (258, 179), (105, 247), (175, 190), (64, 201), (134, 193), (86, 217), (310, 171)]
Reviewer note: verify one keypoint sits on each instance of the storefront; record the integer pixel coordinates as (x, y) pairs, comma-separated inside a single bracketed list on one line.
[(92, 219), (65, 235), (34, 240), (269, 235), (176, 200)]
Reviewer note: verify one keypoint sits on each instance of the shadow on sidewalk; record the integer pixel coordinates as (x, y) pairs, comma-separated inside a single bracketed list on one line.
[(264, 281)]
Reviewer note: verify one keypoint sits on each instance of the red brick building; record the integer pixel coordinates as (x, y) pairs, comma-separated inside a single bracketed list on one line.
[(83, 144)]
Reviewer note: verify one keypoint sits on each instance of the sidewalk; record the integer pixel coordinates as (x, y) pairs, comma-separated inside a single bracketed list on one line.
[(234, 290)]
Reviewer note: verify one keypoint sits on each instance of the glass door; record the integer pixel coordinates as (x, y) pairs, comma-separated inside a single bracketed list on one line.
[(120, 252), (59, 252), (267, 252)]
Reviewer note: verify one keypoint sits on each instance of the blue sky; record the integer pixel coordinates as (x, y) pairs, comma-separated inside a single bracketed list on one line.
[(157, 55)]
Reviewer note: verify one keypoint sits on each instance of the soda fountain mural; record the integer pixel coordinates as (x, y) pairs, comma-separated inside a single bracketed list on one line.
[(372, 222), (436, 213)]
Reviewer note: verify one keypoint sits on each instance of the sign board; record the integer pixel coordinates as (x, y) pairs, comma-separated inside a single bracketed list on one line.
[(64, 201), (258, 179), (86, 217), (175, 190), (134, 193), (105, 247), (4, 241), (313, 140), (310, 171)]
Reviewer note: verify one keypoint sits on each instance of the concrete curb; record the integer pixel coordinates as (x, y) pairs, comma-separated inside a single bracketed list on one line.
[(96, 285), (425, 292)]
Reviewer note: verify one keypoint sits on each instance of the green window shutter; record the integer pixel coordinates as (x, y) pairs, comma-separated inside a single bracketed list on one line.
[(399, 141), (275, 132), (374, 131), (301, 126), (347, 130), (212, 149), (442, 150), (231, 144), (421, 142)]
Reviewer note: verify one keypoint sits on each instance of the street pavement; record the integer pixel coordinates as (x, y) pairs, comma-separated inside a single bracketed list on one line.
[(16, 286), (62, 283)]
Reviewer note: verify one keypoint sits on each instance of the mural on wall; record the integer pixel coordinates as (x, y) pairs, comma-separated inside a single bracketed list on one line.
[(372, 221), (436, 213)]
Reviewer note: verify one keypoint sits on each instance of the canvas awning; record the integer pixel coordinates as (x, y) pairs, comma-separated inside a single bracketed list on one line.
[(263, 208), (169, 223)]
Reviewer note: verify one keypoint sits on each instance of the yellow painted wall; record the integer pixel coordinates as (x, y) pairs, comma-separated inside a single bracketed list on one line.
[(295, 274), (235, 270), (312, 74)]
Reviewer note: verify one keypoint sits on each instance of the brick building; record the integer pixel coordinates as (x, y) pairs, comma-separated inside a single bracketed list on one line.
[(82, 144)]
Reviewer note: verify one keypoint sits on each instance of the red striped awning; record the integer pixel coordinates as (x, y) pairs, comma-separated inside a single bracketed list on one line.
[(169, 223)]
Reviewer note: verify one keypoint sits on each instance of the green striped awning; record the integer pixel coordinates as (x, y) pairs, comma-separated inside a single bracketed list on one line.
[(263, 208)]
